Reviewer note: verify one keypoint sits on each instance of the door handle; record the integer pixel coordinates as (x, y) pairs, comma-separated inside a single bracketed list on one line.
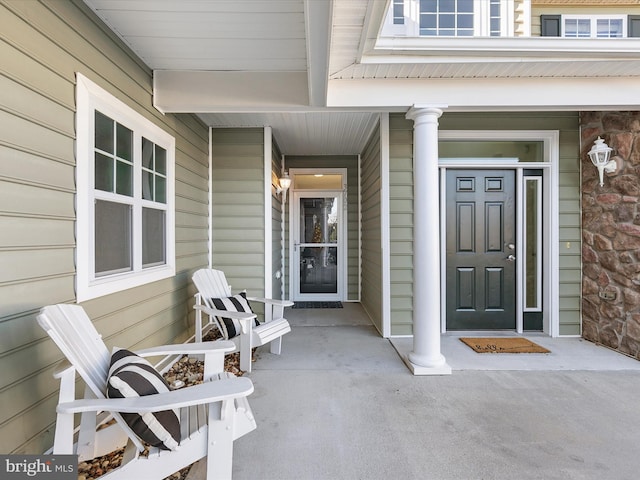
[(511, 258)]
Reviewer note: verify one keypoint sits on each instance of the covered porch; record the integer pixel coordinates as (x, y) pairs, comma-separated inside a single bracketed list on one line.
[(340, 403)]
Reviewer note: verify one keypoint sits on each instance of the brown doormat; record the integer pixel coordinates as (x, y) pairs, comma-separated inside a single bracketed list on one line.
[(503, 345)]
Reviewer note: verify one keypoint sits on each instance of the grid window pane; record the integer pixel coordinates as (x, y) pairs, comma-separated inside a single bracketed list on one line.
[(465, 6), (465, 21), (495, 27), (147, 185), (112, 238), (161, 160), (103, 173), (124, 138), (428, 6), (447, 6), (147, 154), (103, 134), (161, 189), (428, 21), (153, 237), (447, 21), (584, 28), (124, 178)]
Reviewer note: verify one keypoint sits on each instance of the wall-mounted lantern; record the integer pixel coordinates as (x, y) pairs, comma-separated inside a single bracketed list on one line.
[(284, 183), (599, 155)]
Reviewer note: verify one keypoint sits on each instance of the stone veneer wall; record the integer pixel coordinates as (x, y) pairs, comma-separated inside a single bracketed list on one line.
[(611, 234)]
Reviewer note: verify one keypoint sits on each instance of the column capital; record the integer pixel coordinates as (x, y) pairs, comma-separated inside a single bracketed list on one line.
[(419, 109)]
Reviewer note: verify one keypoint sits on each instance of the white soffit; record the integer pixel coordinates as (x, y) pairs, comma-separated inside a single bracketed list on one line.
[(237, 35), (306, 133)]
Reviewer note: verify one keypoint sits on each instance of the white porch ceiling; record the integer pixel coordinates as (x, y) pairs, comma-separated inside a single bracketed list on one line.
[(316, 72)]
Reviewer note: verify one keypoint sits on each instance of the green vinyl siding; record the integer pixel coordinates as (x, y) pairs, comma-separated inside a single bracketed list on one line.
[(370, 183), (238, 207), (401, 205), (401, 223), (350, 162), (43, 45), (276, 222)]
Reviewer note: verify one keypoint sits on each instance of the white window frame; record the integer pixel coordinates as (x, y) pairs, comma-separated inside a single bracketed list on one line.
[(481, 26), (593, 21), (89, 98)]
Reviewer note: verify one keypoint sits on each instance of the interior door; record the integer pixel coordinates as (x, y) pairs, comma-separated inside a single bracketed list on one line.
[(480, 246), (317, 261)]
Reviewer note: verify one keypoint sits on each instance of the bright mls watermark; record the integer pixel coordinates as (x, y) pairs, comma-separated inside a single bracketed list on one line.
[(50, 467)]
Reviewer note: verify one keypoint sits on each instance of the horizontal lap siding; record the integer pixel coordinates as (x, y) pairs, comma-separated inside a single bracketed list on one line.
[(401, 205), (371, 296), (276, 222), (43, 45), (401, 223), (238, 207)]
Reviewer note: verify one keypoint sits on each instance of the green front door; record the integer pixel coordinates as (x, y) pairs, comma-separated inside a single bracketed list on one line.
[(480, 244)]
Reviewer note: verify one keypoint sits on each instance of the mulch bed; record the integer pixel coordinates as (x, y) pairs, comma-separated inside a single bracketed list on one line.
[(188, 370)]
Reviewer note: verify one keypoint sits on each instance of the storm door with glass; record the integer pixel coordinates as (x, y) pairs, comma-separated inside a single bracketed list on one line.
[(317, 236)]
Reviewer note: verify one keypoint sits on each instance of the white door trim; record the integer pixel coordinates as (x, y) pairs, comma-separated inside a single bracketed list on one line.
[(550, 246), (294, 231)]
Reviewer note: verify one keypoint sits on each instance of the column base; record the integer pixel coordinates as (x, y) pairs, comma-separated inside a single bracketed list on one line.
[(443, 369)]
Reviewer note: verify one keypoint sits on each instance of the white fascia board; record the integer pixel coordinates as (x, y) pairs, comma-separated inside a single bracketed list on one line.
[(318, 25), (420, 50), (496, 94), (201, 91)]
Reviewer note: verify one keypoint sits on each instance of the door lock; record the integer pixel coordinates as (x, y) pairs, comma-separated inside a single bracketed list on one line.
[(511, 246)]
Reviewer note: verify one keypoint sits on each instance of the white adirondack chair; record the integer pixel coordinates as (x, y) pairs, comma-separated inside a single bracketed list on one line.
[(212, 415), (213, 284)]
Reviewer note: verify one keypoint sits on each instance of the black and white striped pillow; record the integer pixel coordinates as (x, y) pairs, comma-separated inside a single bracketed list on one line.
[(132, 376), (237, 303)]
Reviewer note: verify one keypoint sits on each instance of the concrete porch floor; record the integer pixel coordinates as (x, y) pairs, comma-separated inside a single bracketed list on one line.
[(339, 403)]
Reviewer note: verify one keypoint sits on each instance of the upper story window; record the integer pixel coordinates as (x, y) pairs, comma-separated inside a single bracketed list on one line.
[(593, 26), (590, 26), (446, 18), (125, 207), (449, 18)]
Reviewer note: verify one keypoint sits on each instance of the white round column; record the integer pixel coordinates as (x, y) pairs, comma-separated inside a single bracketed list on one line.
[(426, 357)]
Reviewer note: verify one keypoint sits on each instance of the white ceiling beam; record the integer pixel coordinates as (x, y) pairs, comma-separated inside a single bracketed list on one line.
[(488, 94), (317, 18), (206, 91)]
